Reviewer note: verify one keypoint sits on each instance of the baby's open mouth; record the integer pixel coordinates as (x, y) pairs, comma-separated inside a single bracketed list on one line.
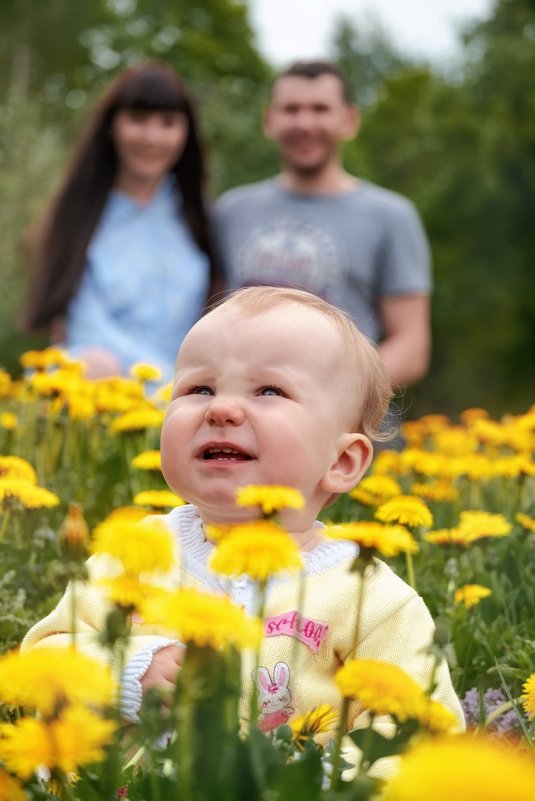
[(225, 454)]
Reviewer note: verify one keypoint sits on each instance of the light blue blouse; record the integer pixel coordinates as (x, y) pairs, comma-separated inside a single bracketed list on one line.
[(144, 285)]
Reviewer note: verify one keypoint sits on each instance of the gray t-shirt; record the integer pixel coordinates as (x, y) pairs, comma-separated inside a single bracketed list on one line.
[(351, 249)]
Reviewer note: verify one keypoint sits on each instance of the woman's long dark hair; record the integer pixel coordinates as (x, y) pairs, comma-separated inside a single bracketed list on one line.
[(60, 256)]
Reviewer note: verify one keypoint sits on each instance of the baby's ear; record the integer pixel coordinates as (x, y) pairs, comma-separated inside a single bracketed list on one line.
[(355, 454)]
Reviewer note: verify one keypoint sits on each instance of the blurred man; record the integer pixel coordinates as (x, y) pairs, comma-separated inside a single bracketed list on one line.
[(316, 227)]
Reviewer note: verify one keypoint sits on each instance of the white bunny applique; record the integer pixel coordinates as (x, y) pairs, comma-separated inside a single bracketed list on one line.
[(273, 696)]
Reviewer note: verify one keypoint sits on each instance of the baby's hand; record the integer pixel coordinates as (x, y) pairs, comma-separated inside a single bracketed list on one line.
[(163, 669)]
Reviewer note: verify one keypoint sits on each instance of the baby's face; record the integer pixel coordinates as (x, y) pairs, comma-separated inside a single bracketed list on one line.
[(257, 399)]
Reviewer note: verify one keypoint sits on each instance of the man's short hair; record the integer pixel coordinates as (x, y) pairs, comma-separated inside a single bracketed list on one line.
[(315, 69)]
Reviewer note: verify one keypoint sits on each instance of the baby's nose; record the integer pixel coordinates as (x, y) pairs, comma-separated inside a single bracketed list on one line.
[(225, 410)]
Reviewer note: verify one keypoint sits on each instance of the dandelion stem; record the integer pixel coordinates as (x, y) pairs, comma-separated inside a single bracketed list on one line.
[(4, 524), (253, 712), (73, 613), (360, 599), (409, 561), (337, 752), (499, 710), (342, 725)]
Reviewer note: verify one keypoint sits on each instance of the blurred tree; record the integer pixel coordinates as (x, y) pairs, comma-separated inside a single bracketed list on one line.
[(47, 49), (32, 156), (462, 147), (367, 56), (40, 41)]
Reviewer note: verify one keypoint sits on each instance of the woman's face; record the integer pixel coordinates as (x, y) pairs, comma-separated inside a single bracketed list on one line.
[(148, 143)]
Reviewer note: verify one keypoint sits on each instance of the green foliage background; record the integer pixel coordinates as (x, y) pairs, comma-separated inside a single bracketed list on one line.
[(459, 142)]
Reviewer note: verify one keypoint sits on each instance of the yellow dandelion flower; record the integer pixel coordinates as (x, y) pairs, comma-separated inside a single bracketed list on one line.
[(516, 436), (526, 420), (45, 676), (448, 536), (143, 547), (474, 466), (464, 768), (163, 394), (525, 521), (10, 789), (16, 467), (405, 509), (74, 531), (382, 689), (6, 384), (55, 357), (438, 490), (431, 464), (259, 549), (59, 382), (434, 423), (478, 525), (127, 590), (471, 594), (387, 461), (8, 421), (469, 416), (126, 514), (158, 499), (437, 718), (80, 407), (508, 467), (145, 372), (270, 498), (25, 746), (147, 460), (106, 400), (207, 620), (527, 465), (414, 433), (29, 495), (455, 441), (385, 540), (35, 360), (528, 697), (216, 533), (375, 489), (75, 366), (79, 736), (489, 432), (76, 737), (126, 387), (138, 419), (321, 719)]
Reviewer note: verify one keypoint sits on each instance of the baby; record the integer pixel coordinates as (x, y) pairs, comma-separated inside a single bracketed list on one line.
[(276, 386)]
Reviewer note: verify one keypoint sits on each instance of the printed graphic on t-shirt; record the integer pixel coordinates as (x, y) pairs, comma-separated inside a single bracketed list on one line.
[(273, 696), (310, 632), (294, 253)]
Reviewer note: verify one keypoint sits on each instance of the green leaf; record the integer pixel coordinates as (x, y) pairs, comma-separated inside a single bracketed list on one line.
[(375, 745)]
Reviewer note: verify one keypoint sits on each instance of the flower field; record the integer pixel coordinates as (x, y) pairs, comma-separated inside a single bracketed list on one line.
[(453, 513)]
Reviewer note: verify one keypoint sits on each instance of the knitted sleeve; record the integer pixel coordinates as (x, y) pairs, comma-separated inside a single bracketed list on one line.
[(396, 627), (80, 617)]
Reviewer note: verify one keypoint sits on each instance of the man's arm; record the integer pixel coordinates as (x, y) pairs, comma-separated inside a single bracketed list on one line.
[(406, 344)]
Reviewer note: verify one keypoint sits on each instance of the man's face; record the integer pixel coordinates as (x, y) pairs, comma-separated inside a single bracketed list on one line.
[(258, 399), (308, 118)]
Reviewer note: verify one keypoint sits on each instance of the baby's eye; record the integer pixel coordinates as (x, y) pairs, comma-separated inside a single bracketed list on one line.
[(201, 391), (271, 391)]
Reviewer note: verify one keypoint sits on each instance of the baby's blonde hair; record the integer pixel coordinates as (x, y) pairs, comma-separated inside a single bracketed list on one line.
[(367, 373)]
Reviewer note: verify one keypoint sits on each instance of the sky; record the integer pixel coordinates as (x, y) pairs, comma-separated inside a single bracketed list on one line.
[(291, 29)]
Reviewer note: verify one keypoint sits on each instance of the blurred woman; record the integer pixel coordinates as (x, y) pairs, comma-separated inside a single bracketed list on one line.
[(123, 263)]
